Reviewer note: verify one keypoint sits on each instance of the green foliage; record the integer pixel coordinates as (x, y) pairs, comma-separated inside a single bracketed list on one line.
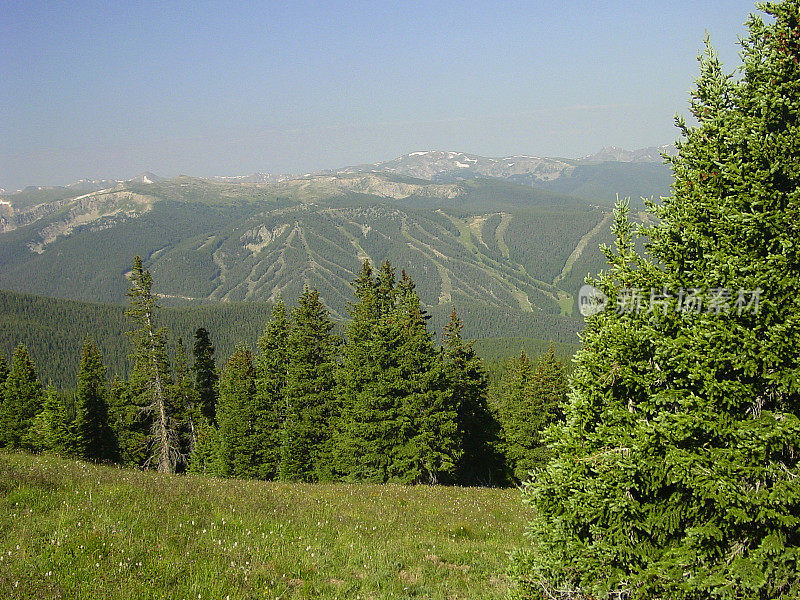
[(429, 412), (54, 329), (310, 391), (399, 419), (150, 378), (205, 371), (185, 399), (239, 450), (52, 429), (94, 437), (368, 432), (127, 423), (270, 396), (3, 369), (207, 457), (676, 470), (481, 462), (22, 399)]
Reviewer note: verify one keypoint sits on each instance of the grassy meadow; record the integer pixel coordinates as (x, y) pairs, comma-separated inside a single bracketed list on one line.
[(70, 529)]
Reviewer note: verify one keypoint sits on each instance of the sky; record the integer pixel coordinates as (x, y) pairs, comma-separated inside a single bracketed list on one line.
[(112, 89)]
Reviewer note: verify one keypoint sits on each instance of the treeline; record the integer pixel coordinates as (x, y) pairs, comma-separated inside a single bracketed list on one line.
[(382, 403), (54, 329)]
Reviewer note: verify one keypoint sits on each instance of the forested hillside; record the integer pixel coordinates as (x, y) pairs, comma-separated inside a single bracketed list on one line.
[(54, 329), (484, 245)]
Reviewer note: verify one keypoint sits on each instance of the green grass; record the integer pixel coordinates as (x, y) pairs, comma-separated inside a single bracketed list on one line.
[(70, 529)]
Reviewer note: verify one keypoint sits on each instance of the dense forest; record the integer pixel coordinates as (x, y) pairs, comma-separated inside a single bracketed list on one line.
[(53, 331), (376, 398)]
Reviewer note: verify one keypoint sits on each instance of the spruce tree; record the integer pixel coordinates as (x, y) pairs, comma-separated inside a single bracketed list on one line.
[(150, 378), (206, 457), (547, 395), (186, 401), (676, 471), (428, 413), (205, 370), (22, 399), (385, 288), (513, 410), (311, 399), (533, 399), (52, 430), (131, 431), (480, 463), (270, 398), (94, 437), (367, 433), (239, 450)]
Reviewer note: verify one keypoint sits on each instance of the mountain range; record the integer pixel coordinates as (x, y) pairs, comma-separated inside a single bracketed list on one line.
[(507, 241)]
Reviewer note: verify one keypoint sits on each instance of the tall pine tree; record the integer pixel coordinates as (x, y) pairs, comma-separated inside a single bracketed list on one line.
[(480, 463), (367, 434), (270, 397), (186, 401), (311, 399), (22, 399), (676, 471), (93, 434), (150, 379), (428, 413), (3, 369), (239, 450), (52, 429), (205, 371)]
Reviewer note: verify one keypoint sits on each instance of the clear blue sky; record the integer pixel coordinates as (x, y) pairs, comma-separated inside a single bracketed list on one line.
[(111, 89)]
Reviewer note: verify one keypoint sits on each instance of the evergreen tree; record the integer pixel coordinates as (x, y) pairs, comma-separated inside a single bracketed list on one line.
[(22, 398), (94, 437), (51, 429), (367, 433), (205, 370), (186, 400), (270, 398), (676, 471), (385, 288), (311, 403), (532, 400), (480, 463), (206, 457), (513, 409), (150, 379), (428, 413), (238, 446), (130, 430), (548, 394)]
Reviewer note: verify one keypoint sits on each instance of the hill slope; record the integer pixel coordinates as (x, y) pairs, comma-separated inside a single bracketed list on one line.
[(508, 249), (501, 245)]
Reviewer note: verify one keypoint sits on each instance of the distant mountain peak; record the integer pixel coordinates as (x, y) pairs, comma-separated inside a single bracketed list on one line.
[(617, 154), (146, 177)]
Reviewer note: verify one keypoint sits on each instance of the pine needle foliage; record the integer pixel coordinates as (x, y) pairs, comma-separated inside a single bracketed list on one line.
[(676, 469), (150, 378), (94, 437), (22, 399)]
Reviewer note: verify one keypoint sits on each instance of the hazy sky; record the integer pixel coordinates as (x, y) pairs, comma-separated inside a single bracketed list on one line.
[(111, 89)]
